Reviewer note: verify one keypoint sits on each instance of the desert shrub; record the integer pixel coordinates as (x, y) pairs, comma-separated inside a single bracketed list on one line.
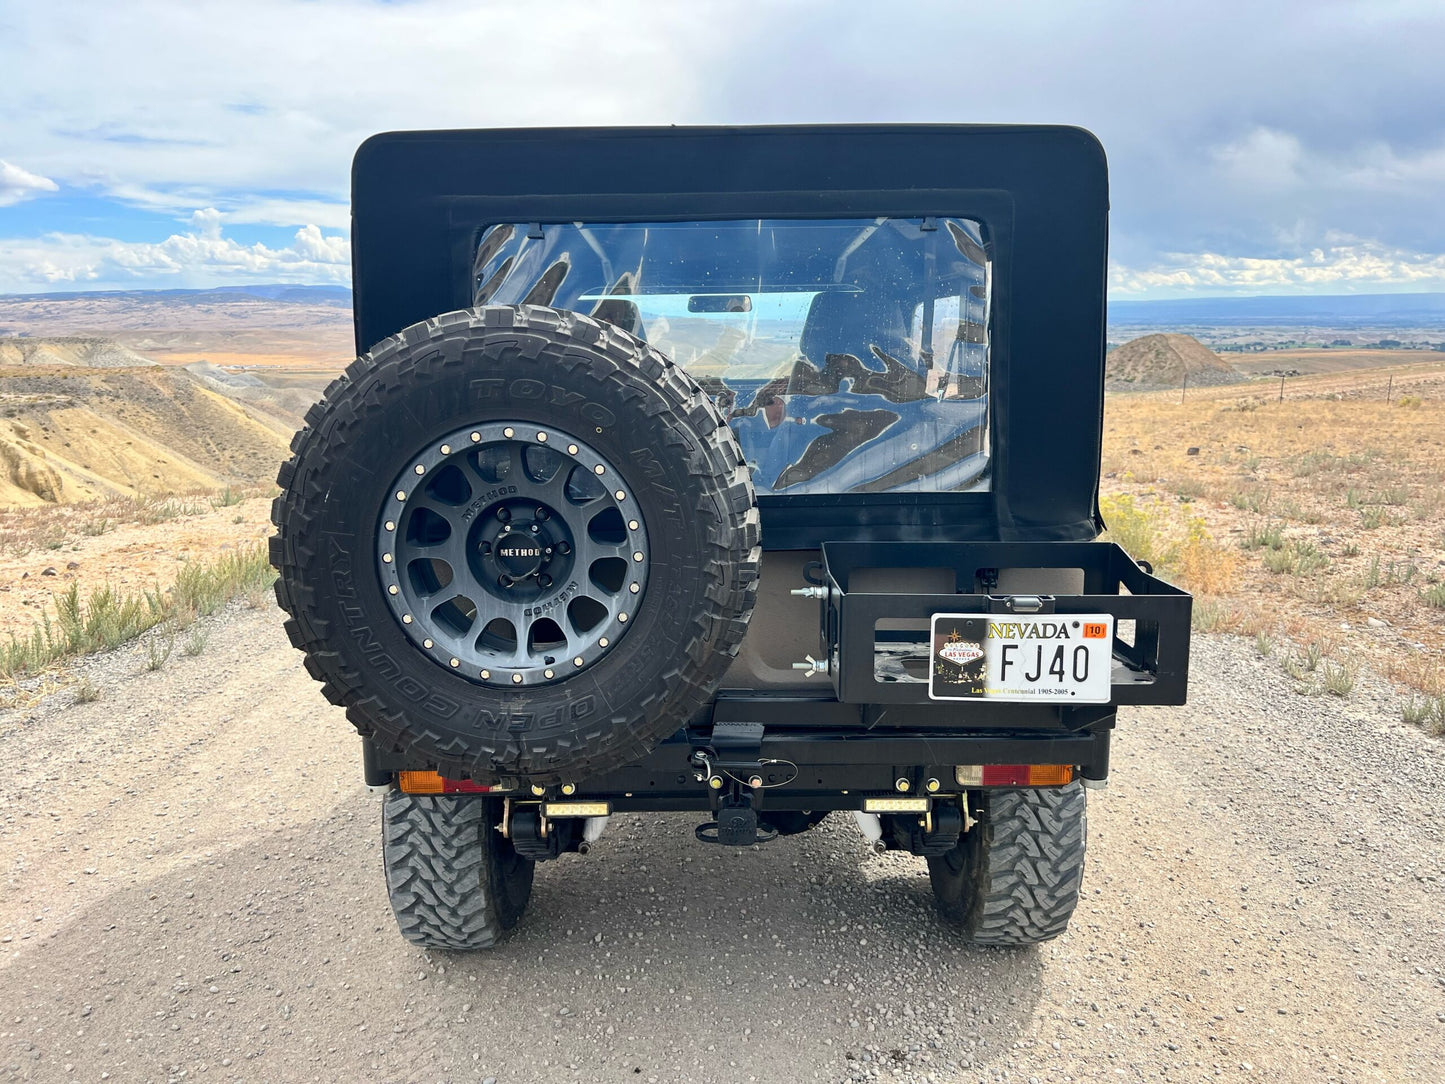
[(108, 618), (196, 641), (1297, 557), (1425, 711), (1207, 567), (1254, 499), (1266, 535), (1339, 678), (1140, 530)]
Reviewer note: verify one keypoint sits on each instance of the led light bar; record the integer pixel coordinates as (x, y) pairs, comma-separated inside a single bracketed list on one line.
[(436, 783), (1013, 775), (895, 805), (576, 809)]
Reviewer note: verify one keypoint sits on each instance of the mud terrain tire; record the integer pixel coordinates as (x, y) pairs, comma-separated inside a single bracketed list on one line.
[(454, 881), (653, 434), (1013, 878)]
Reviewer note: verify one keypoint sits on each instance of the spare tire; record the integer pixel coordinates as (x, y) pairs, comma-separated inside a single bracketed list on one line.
[(517, 544)]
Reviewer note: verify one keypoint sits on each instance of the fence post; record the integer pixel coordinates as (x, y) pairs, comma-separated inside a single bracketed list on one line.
[(1184, 388), (1281, 389), (1390, 388)]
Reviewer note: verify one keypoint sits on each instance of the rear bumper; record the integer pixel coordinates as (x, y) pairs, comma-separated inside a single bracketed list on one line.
[(818, 767)]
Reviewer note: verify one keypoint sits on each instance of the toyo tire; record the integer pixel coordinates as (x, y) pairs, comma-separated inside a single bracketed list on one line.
[(1013, 878), (453, 880), (420, 474)]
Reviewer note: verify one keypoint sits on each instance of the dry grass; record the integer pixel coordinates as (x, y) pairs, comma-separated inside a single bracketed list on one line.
[(106, 618), (53, 527), (1330, 504)]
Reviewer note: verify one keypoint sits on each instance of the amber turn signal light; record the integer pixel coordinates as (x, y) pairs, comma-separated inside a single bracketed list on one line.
[(1013, 775), (436, 783)]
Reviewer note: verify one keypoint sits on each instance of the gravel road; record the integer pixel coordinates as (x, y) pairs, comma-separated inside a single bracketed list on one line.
[(192, 890)]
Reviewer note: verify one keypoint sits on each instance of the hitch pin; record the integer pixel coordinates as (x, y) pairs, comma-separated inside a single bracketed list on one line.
[(706, 773)]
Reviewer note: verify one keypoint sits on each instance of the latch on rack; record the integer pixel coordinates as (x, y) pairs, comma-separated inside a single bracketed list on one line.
[(1021, 604)]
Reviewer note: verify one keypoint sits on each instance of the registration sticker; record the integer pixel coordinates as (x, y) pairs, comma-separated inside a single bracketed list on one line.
[(1057, 658)]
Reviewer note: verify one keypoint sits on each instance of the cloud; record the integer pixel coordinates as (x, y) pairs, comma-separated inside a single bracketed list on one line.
[(18, 184), (1341, 268), (1243, 128), (199, 257), (1264, 158), (278, 94)]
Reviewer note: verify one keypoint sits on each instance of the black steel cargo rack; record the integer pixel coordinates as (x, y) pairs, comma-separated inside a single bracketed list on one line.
[(1150, 666)]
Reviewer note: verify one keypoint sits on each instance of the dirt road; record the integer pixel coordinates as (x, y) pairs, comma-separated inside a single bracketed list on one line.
[(192, 890)]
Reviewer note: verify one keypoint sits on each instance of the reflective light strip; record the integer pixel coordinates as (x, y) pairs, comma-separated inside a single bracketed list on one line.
[(576, 809), (895, 805), (1013, 775), (436, 783)]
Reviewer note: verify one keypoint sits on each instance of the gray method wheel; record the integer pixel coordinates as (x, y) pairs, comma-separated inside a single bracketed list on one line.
[(517, 544), (454, 881), (1013, 878)]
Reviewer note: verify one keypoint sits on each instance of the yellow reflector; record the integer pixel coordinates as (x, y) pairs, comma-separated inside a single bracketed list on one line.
[(895, 805), (421, 782), (576, 809)]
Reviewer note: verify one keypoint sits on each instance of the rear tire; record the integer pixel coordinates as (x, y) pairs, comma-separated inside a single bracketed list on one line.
[(454, 881), (1014, 877)]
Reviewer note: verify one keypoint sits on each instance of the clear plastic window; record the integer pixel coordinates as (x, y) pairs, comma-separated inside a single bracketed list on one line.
[(850, 356)]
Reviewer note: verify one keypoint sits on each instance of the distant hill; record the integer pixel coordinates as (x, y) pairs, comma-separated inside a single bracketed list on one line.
[(1338, 310), (283, 293), (71, 433), (82, 351), (1161, 361)]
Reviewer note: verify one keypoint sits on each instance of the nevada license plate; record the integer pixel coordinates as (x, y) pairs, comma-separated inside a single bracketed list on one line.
[(1059, 658)]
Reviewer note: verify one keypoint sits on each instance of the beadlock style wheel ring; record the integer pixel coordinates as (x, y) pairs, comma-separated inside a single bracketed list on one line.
[(512, 553)]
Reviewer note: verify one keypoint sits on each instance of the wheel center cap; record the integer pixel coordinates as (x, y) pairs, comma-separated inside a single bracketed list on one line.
[(520, 556)]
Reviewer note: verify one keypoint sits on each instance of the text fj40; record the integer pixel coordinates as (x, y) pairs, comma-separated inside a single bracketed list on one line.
[(744, 471)]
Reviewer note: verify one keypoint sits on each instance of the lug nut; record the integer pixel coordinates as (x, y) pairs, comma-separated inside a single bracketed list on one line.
[(505, 581), (563, 548), (543, 515), (503, 514), (486, 548), (544, 581)]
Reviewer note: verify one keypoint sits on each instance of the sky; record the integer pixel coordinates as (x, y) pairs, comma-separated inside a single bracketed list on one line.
[(1255, 147)]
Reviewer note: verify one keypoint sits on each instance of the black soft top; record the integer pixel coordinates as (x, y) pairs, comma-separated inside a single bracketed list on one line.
[(421, 201)]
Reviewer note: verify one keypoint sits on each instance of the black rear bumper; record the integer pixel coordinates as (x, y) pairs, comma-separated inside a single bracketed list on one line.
[(825, 756)]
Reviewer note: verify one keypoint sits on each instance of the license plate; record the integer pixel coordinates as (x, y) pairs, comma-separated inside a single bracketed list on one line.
[(1058, 658)]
